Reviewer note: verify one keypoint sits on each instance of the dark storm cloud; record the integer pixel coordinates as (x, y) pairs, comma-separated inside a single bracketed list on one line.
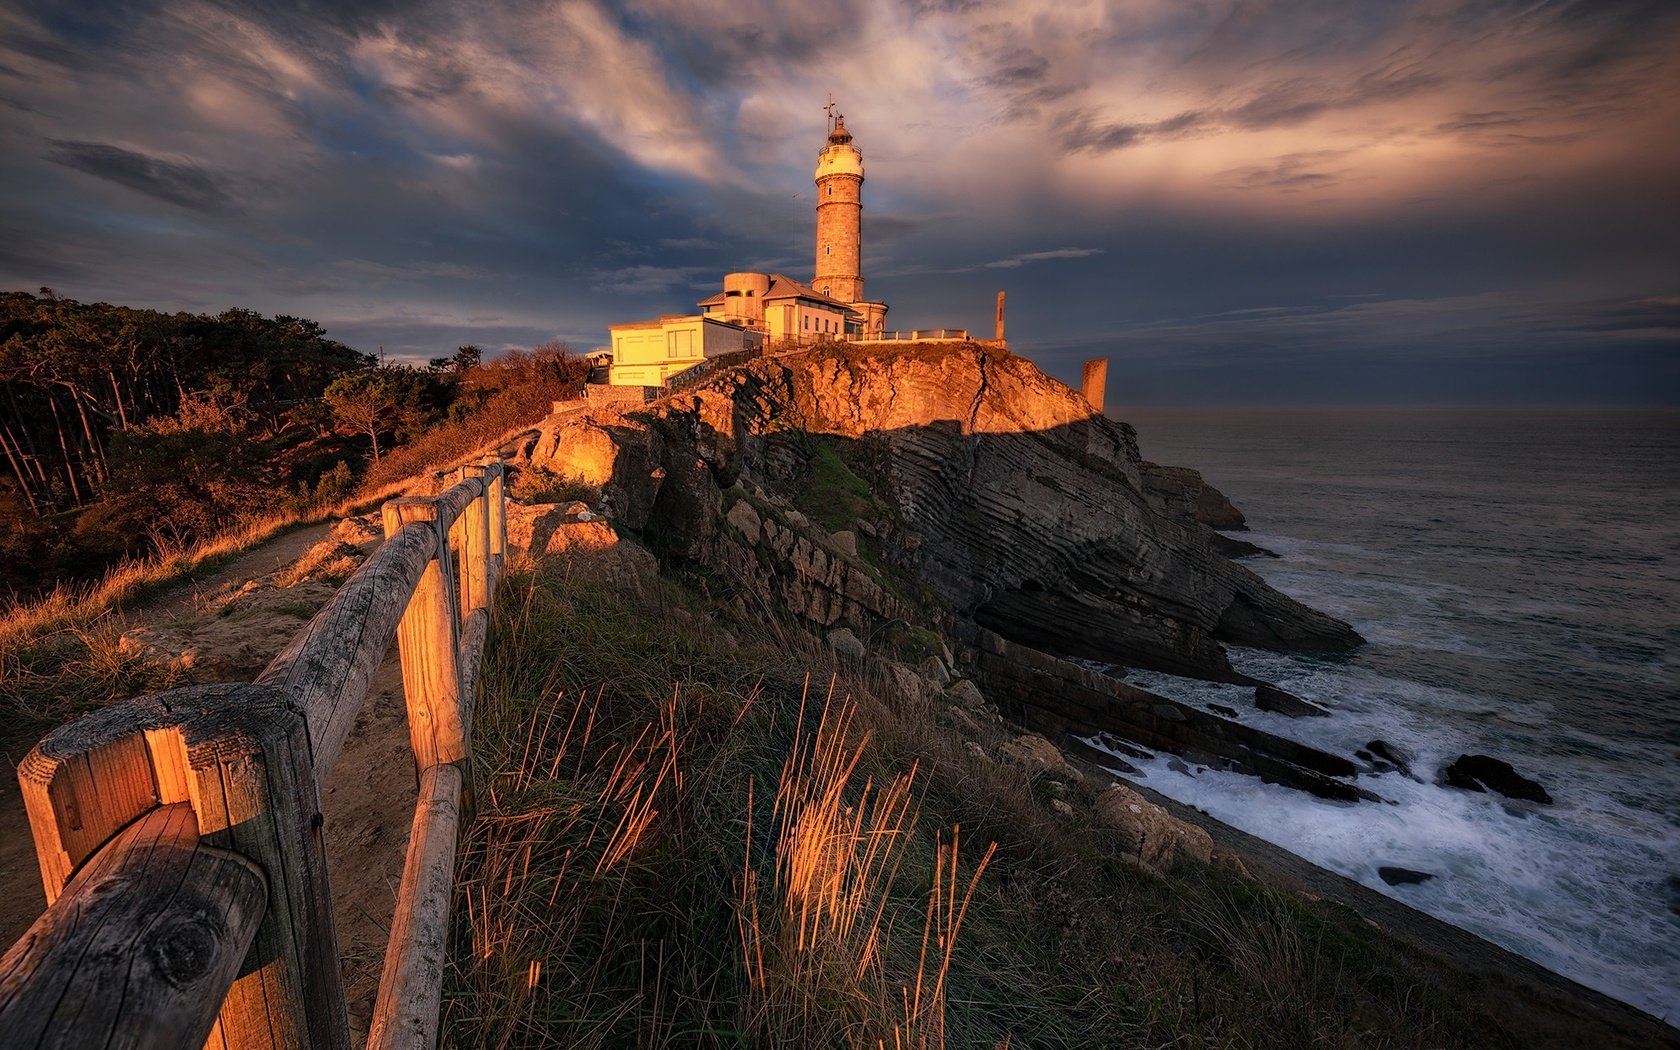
[(1080, 132), (178, 182)]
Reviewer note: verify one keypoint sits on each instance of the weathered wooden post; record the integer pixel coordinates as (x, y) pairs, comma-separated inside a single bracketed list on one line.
[(142, 946), (411, 983), (496, 496), (475, 546), (428, 640), (241, 757)]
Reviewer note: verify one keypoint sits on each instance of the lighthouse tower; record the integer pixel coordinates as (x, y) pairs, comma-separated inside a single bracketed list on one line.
[(838, 273)]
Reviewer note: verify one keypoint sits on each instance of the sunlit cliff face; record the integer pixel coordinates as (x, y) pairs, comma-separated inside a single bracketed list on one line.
[(424, 174)]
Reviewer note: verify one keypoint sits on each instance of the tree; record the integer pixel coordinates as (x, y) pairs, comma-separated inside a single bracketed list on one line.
[(366, 402)]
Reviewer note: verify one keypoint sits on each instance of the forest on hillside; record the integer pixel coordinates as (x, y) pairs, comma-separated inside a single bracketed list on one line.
[(125, 432)]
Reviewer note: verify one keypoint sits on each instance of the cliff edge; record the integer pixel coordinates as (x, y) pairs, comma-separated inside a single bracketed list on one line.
[(961, 472)]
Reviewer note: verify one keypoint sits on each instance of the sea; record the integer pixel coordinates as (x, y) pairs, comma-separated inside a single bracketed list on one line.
[(1516, 573)]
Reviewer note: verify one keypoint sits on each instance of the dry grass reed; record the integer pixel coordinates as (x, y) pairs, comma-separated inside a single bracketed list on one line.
[(684, 843), (814, 945), (681, 846)]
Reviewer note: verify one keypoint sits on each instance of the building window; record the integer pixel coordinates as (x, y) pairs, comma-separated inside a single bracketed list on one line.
[(807, 320), (831, 189), (827, 250)]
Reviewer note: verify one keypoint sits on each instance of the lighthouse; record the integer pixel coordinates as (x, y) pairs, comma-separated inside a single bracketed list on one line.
[(838, 272)]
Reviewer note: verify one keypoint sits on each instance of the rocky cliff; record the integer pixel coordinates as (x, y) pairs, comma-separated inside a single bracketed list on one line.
[(970, 476)]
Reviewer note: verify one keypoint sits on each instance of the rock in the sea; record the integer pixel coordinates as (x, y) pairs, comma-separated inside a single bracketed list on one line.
[(1153, 835), (844, 642), (1221, 709), (1235, 548), (1037, 755), (1402, 876), (1484, 773), (1382, 751), (1271, 698)]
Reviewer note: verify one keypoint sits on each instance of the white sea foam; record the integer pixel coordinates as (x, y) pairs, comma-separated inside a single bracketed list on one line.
[(1515, 575), (1570, 886)]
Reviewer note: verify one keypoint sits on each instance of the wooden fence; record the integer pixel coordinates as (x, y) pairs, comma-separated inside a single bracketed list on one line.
[(180, 835)]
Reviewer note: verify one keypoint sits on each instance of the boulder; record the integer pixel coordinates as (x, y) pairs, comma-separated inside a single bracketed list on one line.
[(1062, 808), (1224, 858), (1153, 835), (1270, 698), (744, 516), (1037, 755), (844, 642), (966, 694), (933, 669), (845, 542), (1222, 710), (909, 682), (962, 720), (1484, 773)]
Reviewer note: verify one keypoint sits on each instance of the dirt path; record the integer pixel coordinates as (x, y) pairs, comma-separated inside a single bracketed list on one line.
[(234, 620)]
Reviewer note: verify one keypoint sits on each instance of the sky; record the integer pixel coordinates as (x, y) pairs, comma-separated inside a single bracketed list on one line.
[(1236, 201)]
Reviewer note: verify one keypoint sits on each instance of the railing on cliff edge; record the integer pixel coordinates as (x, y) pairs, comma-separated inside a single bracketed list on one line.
[(180, 835)]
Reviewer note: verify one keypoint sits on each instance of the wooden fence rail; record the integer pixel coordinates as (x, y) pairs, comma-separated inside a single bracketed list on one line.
[(179, 835)]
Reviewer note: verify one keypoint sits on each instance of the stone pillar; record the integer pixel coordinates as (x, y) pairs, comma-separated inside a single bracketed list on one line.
[(1094, 382), (999, 336)]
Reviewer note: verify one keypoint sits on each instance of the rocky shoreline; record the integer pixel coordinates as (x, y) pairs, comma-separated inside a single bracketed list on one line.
[(959, 498)]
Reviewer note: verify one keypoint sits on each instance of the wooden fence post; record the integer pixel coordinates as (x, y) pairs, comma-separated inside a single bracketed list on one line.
[(496, 498), (411, 983), (475, 546), (241, 757), (429, 640)]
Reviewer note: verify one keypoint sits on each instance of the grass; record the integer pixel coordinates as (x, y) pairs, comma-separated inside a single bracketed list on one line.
[(683, 841), (541, 485), (831, 494)]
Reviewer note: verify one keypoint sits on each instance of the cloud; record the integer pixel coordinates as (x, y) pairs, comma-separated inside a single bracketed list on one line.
[(1289, 174), (1017, 261), (1080, 132), (1226, 171), (179, 182)]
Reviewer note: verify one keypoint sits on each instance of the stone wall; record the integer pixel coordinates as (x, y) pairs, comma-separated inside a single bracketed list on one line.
[(604, 393)]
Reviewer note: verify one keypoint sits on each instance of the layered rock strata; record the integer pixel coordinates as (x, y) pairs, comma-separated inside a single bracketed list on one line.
[(1066, 701), (998, 491)]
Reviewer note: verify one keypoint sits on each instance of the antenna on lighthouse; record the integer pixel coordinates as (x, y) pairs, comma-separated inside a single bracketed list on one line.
[(829, 109)]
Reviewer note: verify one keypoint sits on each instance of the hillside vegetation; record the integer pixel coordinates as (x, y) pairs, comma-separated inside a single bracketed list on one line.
[(702, 828), (127, 432)]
